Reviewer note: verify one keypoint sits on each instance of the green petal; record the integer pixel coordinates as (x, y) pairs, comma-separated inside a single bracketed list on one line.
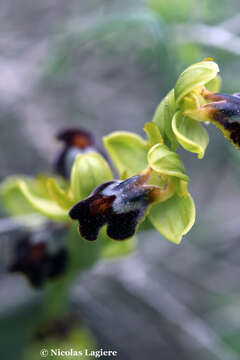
[(113, 248), (166, 162), (89, 170), (194, 76), (174, 217), (128, 152), (58, 195), (215, 84), (163, 119), (190, 134)]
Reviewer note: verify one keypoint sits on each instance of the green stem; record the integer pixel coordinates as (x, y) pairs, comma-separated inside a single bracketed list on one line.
[(82, 255)]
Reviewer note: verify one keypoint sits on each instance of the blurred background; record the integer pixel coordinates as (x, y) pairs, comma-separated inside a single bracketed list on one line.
[(104, 66)]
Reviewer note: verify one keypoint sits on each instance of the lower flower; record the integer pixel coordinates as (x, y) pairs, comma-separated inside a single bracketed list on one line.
[(120, 205), (38, 261)]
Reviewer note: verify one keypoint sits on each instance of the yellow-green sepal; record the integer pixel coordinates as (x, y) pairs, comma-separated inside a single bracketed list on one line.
[(174, 217), (190, 134), (89, 170), (166, 162), (12, 198), (163, 119), (128, 152), (44, 206), (193, 77), (29, 195), (61, 197)]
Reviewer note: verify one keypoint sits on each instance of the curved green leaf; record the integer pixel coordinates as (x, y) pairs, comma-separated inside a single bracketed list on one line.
[(128, 152), (194, 76), (163, 119), (89, 170), (166, 162), (174, 217), (190, 134)]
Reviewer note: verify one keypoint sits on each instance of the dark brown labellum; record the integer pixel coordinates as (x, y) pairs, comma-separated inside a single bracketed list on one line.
[(120, 205)]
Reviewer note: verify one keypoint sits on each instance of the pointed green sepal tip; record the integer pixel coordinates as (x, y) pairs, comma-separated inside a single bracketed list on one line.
[(89, 170), (193, 77), (163, 119), (174, 217), (153, 134), (128, 152), (190, 134), (166, 162)]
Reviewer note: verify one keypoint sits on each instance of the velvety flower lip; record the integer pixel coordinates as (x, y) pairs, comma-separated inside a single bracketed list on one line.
[(76, 141), (119, 204), (224, 111), (36, 261)]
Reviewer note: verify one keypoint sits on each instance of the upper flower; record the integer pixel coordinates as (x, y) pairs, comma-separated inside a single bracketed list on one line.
[(171, 116), (222, 110), (76, 141)]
